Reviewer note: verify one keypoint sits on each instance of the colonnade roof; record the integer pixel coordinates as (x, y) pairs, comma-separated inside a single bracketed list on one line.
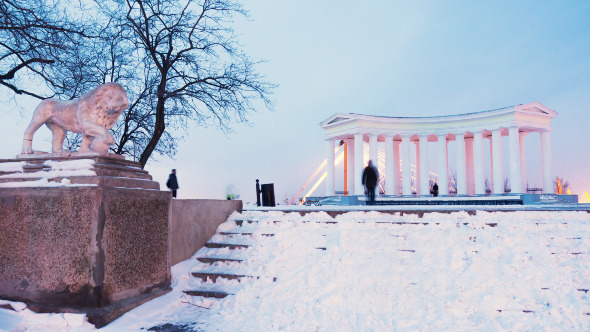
[(531, 117)]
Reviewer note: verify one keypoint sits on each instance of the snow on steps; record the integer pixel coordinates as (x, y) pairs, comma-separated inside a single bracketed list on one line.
[(226, 262)]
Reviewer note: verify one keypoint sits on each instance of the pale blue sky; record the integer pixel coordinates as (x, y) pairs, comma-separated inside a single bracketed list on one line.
[(396, 58)]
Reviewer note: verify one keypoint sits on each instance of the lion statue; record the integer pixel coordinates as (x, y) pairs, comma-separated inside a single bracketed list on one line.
[(92, 115)]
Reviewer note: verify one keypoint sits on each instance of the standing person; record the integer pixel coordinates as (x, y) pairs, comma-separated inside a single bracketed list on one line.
[(172, 183), (370, 182), (435, 190)]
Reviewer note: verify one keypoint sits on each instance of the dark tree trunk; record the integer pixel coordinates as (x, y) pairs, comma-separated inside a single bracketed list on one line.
[(160, 124)]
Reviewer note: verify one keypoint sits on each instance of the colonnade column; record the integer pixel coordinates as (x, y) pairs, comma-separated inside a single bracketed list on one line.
[(461, 166), (443, 166), (358, 164), (330, 168), (406, 170), (424, 171), (523, 174), (491, 165), (351, 170), (396, 170), (478, 163), (389, 162), (469, 166), (514, 154), (373, 155), (546, 158), (497, 161), (417, 166)]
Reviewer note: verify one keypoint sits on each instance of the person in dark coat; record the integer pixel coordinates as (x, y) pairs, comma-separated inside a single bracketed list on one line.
[(370, 182), (435, 190), (172, 183)]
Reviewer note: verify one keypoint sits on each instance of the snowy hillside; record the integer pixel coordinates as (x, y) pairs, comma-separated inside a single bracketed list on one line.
[(372, 271)]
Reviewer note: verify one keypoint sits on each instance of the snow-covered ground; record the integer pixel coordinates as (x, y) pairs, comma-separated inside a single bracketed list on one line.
[(373, 271)]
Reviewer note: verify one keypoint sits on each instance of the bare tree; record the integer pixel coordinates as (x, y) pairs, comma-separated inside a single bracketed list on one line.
[(36, 38), (180, 62)]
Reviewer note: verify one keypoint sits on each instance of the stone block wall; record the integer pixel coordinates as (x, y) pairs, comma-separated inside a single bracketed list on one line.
[(194, 221), (82, 246)]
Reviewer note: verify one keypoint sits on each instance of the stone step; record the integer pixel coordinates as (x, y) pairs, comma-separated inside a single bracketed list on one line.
[(211, 260), (243, 234), (207, 293), (240, 222), (235, 233), (226, 245), (213, 276)]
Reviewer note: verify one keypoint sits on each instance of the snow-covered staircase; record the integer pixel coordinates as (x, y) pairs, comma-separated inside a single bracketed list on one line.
[(225, 256), (497, 270), (222, 258)]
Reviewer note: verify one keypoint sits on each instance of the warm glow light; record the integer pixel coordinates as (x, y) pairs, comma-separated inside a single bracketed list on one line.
[(319, 169), (585, 197), (314, 187), (316, 173)]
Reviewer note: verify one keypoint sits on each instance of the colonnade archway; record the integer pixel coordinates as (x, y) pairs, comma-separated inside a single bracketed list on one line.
[(468, 132)]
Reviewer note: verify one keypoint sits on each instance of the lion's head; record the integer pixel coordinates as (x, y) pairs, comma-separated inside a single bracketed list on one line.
[(110, 100)]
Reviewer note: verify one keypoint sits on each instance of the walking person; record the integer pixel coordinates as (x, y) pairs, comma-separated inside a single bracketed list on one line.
[(172, 183), (370, 182)]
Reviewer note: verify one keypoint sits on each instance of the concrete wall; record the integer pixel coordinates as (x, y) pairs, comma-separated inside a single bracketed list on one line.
[(194, 221)]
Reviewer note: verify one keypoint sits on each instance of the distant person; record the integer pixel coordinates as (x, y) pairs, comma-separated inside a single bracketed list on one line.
[(370, 182), (172, 183), (435, 190)]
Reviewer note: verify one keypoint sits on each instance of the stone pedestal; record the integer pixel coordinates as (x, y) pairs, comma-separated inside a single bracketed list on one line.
[(96, 244)]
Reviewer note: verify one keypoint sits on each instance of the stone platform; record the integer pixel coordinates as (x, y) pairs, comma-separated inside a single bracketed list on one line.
[(493, 200), (82, 234)]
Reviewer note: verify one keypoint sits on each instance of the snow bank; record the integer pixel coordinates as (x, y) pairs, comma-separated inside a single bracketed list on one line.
[(380, 272), (20, 318), (59, 169), (13, 166), (78, 164)]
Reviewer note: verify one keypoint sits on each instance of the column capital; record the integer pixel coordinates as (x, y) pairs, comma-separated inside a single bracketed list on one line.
[(462, 134), (423, 135)]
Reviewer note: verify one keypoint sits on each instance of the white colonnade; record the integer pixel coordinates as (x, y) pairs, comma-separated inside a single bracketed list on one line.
[(467, 132)]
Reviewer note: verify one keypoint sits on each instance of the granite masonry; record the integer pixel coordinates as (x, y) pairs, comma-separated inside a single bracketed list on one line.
[(82, 234)]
